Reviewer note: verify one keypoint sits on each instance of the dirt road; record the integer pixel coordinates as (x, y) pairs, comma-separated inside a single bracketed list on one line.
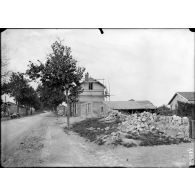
[(40, 141)]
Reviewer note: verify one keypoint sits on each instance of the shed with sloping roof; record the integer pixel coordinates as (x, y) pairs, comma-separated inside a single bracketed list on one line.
[(186, 97), (131, 106)]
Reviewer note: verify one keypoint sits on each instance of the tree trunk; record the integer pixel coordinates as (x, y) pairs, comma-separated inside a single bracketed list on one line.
[(72, 109), (54, 108), (68, 110), (26, 110), (31, 110), (17, 107)]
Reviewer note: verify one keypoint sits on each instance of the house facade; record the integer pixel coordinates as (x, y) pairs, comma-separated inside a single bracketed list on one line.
[(91, 100), (186, 97)]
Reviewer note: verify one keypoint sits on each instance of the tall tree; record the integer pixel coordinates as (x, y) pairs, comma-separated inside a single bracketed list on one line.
[(29, 98), (59, 72), (15, 87), (19, 88)]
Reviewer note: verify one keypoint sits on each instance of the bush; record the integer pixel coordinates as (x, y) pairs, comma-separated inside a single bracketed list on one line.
[(186, 109), (164, 110)]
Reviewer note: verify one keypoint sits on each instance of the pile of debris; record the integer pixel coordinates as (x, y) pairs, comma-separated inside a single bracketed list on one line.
[(144, 129), (114, 116)]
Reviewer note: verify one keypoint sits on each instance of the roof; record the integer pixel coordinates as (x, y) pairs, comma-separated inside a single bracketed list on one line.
[(190, 96), (93, 80), (130, 105)]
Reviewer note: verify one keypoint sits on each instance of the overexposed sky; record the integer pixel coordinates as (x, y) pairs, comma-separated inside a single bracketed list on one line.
[(140, 64)]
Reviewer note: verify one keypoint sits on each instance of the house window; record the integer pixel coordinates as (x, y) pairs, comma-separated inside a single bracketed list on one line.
[(90, 86)]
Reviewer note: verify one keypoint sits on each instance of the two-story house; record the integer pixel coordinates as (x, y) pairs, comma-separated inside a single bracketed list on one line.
[(91, 100)]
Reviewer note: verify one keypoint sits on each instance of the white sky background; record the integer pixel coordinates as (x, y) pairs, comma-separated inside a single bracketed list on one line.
[(140, 64)]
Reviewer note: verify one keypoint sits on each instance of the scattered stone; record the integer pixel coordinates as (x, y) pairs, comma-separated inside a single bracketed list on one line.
[(130, 142), (91, 128), (143, 127), (107, 128)]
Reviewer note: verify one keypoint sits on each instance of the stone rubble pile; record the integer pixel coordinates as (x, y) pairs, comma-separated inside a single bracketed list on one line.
[(144, 129), (114, 115)]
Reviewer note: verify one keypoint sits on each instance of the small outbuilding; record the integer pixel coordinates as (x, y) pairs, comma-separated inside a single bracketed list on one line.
[(131, 106), (186, 97)]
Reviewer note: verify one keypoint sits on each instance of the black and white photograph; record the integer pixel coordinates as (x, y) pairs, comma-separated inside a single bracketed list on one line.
[(97, 98)]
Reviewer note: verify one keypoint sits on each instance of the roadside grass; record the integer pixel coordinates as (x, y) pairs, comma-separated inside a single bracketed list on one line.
[(82, 128)]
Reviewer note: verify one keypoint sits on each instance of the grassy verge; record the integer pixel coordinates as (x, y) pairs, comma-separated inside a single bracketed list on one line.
[(83, 128)]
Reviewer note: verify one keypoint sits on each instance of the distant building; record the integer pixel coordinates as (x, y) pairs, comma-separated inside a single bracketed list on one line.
[(91, 100), (131, 106), (8, 108), (186, 97)]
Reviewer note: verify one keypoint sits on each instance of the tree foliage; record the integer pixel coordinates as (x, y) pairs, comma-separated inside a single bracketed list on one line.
[(19, 88), (50, 98), (58, 74), (16, 86), (164, 110), (186, 109)]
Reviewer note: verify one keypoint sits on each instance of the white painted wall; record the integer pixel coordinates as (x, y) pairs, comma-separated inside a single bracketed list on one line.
[(91, 101)]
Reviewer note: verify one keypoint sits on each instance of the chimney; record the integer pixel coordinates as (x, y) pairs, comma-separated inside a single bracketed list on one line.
[(87, 76)]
